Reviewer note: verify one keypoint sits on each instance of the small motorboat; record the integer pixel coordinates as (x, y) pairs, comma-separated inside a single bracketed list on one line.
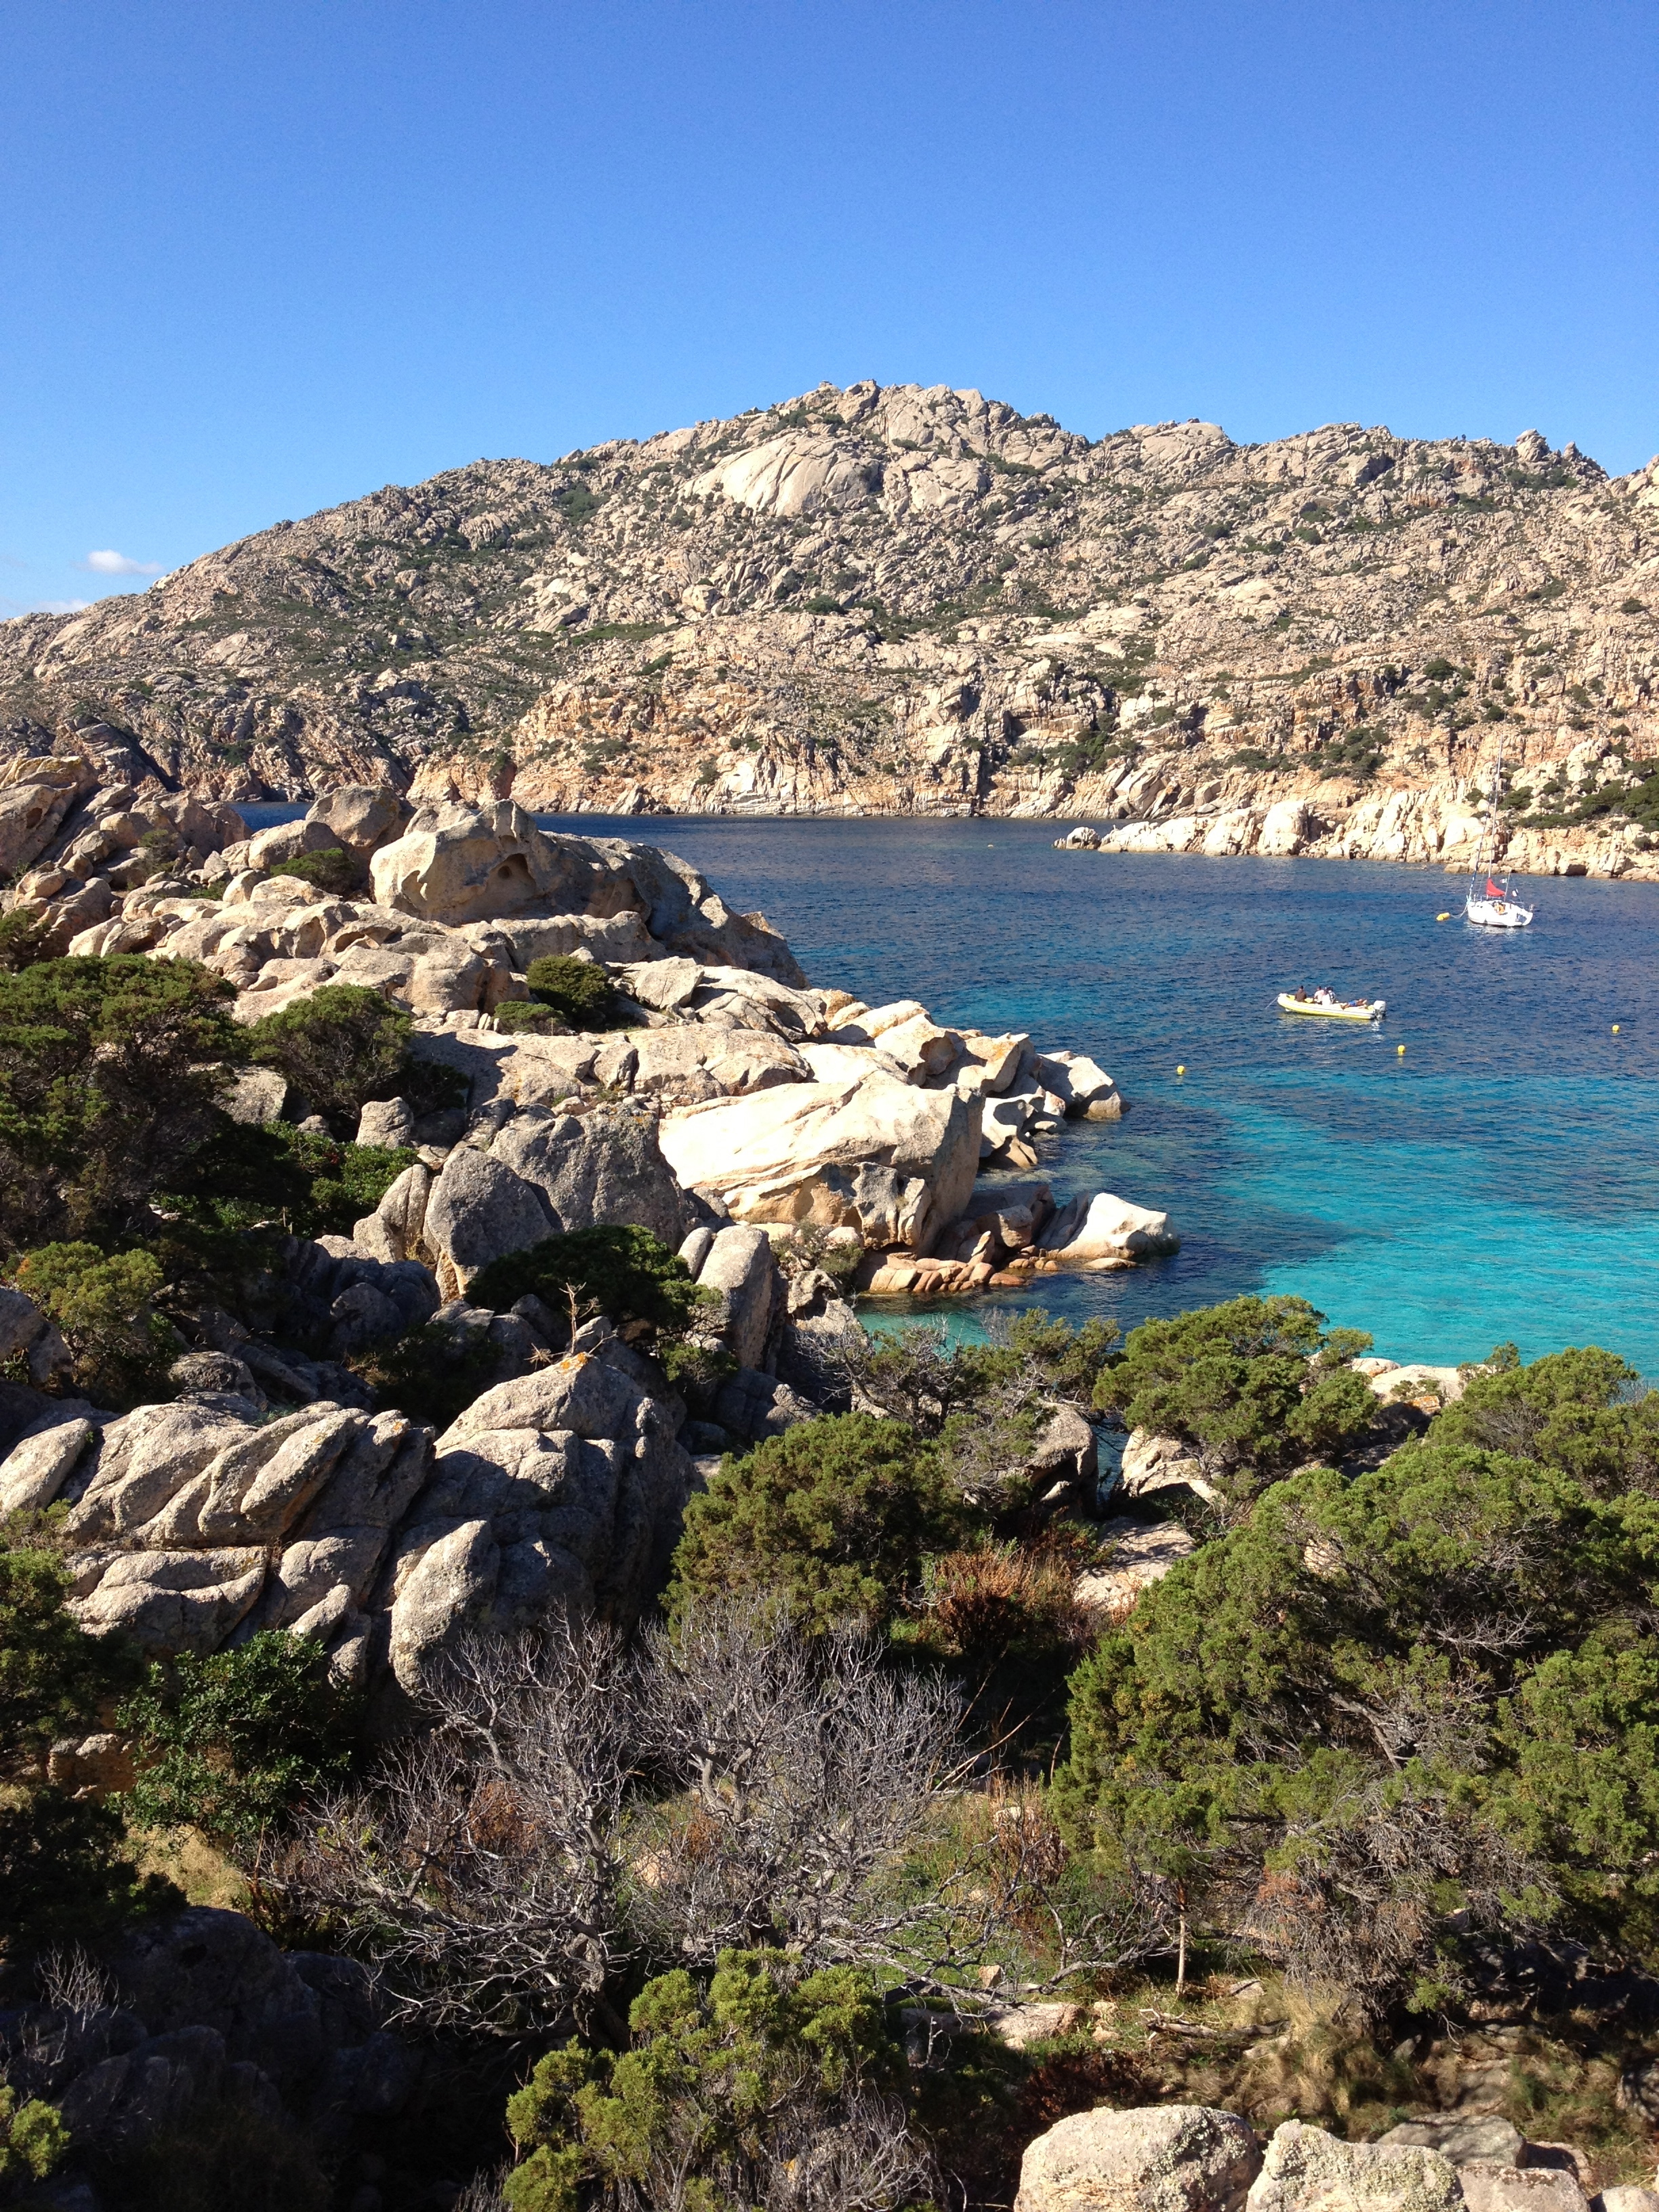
[(1332, 1009)]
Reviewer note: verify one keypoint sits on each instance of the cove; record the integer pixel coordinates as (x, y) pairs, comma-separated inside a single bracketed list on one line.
[(1499, 1181)]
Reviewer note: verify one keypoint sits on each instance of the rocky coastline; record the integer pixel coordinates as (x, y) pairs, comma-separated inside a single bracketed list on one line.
[(793, 1146)]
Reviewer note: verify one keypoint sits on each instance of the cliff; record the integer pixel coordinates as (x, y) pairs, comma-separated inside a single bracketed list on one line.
[(905, 600)]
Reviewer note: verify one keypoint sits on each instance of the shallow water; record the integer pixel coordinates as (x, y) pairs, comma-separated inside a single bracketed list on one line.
[(1499, 1180)]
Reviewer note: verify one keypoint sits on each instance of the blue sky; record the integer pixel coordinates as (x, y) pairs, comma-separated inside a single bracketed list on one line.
[(256, 260)]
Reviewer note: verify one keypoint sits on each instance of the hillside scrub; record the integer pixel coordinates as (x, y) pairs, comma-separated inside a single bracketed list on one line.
[(625, 1273), (1257, 1386), (1380, 1715), (722, 2096), (579, 992), (104, 1307), (340, 1047), (110, 1070), (830, 1521)]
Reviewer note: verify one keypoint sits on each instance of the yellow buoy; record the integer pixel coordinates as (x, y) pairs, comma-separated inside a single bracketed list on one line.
[(1443, 917), (1180, 1071), (1399, 1048), (1615, 1029)]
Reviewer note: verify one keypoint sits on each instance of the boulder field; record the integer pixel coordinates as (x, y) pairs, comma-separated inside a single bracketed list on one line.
[(753, 1122), (1191, 2158)]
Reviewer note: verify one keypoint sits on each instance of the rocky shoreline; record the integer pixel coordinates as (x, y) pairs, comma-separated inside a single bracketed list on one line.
[(792, 1144)]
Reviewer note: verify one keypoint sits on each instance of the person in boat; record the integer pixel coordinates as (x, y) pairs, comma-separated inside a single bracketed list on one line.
[(1324, 996), (1302, 994)]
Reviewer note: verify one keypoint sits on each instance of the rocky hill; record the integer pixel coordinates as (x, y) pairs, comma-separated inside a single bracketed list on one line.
[(893, 599)]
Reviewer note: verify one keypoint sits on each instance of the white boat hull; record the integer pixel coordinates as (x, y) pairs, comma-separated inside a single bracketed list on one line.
[(1498, 914), (1372, 1010)]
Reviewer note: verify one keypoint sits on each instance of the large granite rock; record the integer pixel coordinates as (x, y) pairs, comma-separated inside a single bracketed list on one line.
[(457, 864), (479, 1210), (1159, 2158), (606, 1165), (1305, 2170), (877, 1155), (564, 1489), (1104, 1227)]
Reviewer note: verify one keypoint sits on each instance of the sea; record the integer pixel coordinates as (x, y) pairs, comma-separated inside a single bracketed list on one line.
[(1479, 1167)]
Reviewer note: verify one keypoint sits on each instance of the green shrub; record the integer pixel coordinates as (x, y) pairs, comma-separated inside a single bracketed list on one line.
[(333, 870), (1257, 1384), (218, 2152), (529, 1015), (339, 1047), (233, 1744), (1384, 1714), (833, 1518), (723, 2091), (432, 1374), (104, 1307), (312, 1185), (23, 935), (578, 991), (63, 1875), (53, 1676), (624, 1273), (33, 2140), (109, 1072)]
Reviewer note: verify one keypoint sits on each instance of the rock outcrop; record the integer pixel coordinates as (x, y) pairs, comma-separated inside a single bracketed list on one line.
[(895, 600), (1159, 2158)]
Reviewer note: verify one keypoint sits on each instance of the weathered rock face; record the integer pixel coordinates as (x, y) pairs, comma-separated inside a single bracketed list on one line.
[(206, 2010), (1161, 2158), (1305, 2170), (1105, 1228), (198, 1523), (1381, 606), (877, 1155), (563, 1489)]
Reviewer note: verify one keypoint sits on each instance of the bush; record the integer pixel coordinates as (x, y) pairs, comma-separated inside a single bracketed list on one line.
[(1257, 1385), (433, 1374), (312, 1185), (832, 1519), (528, 1016), (62, 1877), (1386, 1714), (333, 870), (624, 1273), (53, 1676), (341, 1047), (578, 991), (23, 935), (104, 1307), (109, 1072), (33, 2139), (233, 1744), (728, 2096)]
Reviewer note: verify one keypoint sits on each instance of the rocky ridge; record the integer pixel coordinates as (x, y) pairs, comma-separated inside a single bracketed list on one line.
[(898, 599)]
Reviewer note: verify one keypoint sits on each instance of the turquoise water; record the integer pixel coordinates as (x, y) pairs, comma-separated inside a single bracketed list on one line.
[(1499, 1180)]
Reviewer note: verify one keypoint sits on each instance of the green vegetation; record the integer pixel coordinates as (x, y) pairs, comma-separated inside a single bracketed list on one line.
[(1383, 1716), (625, 1273), (332, 869), (724, 2090), (831, 1521), (339, 1047), (110, 1070), (579, 992), (307, 1183), (1256, 1386), (33, 2140), (105, 1310), (23, 936), (233, 1745)]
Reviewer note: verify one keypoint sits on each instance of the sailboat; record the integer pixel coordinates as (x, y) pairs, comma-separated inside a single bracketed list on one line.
[(1492, 906)]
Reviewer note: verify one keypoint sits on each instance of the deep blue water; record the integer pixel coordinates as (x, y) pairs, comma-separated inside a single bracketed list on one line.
[(1499, 1180)]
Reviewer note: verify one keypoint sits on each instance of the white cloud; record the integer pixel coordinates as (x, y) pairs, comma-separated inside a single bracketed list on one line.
[(111, 563), (11, 609)]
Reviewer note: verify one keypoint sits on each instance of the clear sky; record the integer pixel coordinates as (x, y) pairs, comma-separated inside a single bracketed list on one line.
[(256, 260)]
